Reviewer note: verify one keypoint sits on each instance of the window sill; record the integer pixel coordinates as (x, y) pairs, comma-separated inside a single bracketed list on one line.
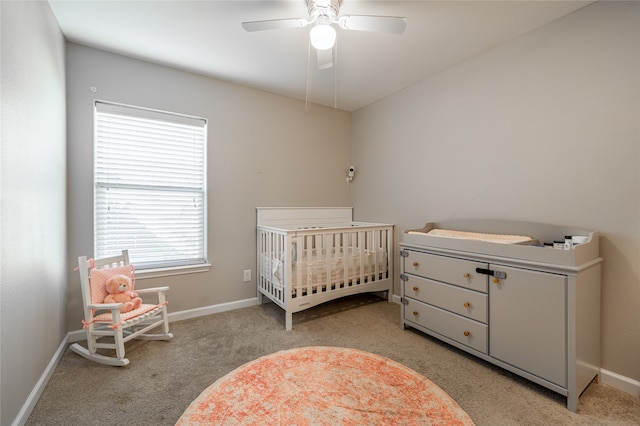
[(174, 270)]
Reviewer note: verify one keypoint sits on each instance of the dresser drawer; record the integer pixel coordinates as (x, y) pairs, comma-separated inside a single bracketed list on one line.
[(446, 269), (467, 303), (463, 330)]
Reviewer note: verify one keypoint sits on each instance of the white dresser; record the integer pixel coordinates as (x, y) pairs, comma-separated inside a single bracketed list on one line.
[(532, 310)]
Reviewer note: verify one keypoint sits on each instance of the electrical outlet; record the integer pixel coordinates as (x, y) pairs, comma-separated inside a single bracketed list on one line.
[(247, 275)]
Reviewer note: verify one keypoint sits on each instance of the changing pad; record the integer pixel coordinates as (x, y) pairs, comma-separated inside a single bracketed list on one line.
[(476, 236)]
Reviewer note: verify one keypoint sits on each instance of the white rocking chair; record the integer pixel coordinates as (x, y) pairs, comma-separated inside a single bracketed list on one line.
[(105, 319)]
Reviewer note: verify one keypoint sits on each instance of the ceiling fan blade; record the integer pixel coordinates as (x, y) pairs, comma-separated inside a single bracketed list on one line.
[(382, 24), (325, 59), (274, 24)]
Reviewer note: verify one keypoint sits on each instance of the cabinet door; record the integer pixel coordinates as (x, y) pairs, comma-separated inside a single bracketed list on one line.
[(527, 322)]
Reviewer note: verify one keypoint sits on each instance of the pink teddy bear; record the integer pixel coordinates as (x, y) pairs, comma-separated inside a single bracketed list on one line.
[(119, 288)]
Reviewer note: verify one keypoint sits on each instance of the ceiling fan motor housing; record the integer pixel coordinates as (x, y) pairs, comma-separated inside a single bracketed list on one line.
[(323, 11)]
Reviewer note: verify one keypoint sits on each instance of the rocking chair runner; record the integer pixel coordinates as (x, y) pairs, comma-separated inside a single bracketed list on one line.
[(105, 319)]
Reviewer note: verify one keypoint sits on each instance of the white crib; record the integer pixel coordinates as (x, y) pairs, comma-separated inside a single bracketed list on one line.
[(308, 256)]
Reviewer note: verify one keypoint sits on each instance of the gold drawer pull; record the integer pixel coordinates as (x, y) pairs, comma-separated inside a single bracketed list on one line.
[(467, 304), (496, 280), (467, 275), (415, 289), (416, 264), (415, 313), (466, 333)]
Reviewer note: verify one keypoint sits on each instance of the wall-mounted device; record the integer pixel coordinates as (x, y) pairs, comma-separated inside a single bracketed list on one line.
[(351, 173)]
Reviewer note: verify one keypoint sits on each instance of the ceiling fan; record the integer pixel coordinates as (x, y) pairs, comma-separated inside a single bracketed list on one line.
[(323, 14)]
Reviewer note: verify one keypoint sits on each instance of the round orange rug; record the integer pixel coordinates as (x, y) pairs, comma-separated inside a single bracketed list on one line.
[(323, 386)]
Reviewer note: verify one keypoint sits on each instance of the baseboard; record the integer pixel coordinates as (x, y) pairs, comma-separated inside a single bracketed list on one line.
[(80, 335), (213, 309), (32, 399), (620, 382)]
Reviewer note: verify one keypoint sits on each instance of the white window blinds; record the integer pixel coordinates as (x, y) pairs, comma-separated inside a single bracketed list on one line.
[(150, 186)]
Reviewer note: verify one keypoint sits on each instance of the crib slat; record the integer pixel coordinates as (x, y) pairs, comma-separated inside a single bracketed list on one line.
[(361, 246), (376, 234), (345, 259), (367, 256), (327, 246)]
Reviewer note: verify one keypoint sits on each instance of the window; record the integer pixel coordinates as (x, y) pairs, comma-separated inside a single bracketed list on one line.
[(150, 186)]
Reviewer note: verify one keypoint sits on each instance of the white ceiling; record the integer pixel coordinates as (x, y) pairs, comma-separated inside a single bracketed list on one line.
[(206, 37)]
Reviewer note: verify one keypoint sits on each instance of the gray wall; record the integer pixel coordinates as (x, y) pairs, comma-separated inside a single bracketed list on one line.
[(263, 150), (32, 191), (544, 129)]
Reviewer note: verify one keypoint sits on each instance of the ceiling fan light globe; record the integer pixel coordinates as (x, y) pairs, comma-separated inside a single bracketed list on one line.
[(322, 37)]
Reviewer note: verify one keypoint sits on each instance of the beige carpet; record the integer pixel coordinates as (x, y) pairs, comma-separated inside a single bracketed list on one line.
[(165, 377), (324, 385)]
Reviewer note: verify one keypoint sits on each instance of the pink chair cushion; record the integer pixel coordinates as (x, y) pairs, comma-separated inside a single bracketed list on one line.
[(143, 309)]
